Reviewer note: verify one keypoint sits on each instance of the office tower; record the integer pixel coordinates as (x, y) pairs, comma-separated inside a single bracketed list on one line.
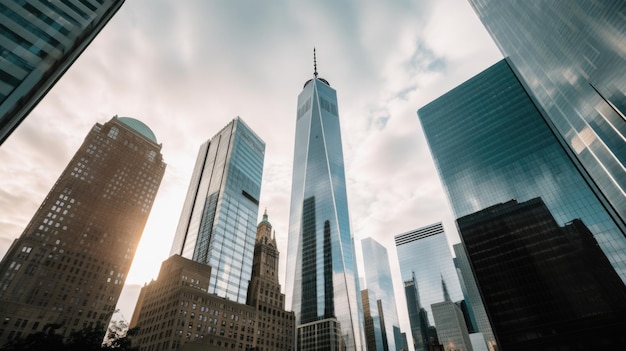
[(491, 144), (378, 280), (451, 328), (69, 265), (570, 55), (371, 321), (479, 342), (176, 312), (405, 343), (39, 41), (424, 255), (276, 326), (421, 331), (554, 275), (217, 225), (473, 296), (323, 280)]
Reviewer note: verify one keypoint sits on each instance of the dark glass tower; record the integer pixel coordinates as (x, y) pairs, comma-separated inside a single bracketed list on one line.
[(492, 144), (69, 265), (323, 278), (217, 225), (571, 56), (39, 41)]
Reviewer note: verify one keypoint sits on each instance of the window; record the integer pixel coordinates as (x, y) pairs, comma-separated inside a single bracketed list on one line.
[(113, 133)]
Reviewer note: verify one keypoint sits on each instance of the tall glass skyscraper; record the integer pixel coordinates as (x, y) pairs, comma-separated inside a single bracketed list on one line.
[(379, 282), (39, 41), (548, 258), (424, 255), (324, 277), (69, 265), (571, 57), (217, 225)]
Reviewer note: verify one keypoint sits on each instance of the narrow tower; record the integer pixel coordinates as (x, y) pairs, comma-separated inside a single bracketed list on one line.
[(324, 278), (218, 220), (276, 326)]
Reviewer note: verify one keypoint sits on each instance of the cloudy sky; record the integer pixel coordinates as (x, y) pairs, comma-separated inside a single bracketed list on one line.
[(186, 68)]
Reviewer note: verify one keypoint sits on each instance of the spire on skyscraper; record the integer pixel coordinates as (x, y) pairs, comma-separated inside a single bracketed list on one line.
[(446, 294), (314, 63)]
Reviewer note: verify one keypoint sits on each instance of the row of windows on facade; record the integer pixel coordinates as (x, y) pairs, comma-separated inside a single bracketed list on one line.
[(113, 134), (33, 42), (20, 324)]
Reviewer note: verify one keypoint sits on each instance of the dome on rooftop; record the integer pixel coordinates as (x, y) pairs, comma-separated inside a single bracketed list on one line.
[(139, 127)]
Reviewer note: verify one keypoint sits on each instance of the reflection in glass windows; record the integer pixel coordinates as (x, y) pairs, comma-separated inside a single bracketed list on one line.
[(491, 144), (323, 281)]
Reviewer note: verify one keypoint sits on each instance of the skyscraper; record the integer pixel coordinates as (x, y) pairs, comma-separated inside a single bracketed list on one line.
[(371, 321), (451, 327), (276, 326), (39, 41), (424, 254), (491, 144), (217, 225), (555, 276), (69, 265), (421, 330), (323, 279), (571, 58), (473, 297), (378, 280)]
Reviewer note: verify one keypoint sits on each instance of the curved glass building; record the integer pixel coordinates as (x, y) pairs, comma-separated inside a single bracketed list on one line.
[(324, 278)]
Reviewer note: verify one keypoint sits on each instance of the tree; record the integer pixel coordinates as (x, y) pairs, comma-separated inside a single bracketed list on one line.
[(119, 337), (43, 340)]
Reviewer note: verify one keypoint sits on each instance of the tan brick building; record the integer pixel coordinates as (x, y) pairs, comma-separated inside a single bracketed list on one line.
[(176, 312), (69, 265)]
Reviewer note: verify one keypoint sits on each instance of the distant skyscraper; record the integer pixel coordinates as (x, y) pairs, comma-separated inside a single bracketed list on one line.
[(570, 55), (423, 332), (371, 321), (323, 278), (217, 225), (491, 144), (473, 297), (69, 265), (424, 254), (451, 328), (39, 41), (378, 279)]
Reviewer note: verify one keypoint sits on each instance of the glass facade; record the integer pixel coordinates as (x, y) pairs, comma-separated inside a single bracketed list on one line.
[(451, 327), (379, 282), (491, 144), (424, 255), (39, 40), (323, 279), (571, 56), (472, 296), (217, 226)]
